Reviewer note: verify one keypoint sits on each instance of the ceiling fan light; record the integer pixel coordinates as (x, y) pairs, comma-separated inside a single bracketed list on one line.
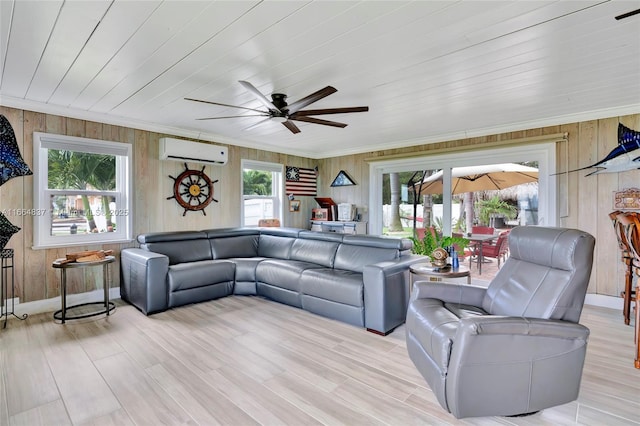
[(279, 119)]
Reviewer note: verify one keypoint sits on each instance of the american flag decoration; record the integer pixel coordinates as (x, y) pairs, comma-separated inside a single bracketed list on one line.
[(300, 181)]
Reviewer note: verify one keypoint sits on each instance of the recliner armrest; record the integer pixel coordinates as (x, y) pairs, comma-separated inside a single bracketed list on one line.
[(386, 293), (143, 281), (463, 294), (494, 324), (514, 365)]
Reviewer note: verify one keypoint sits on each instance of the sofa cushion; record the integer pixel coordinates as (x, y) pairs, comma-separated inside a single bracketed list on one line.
[(282, 273), (334, 284), (198, 274), (246, 268), (314, 251)]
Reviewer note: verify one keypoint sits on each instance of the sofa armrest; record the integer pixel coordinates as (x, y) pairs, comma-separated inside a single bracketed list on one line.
[(511, 365), (386, 293), (143, 279), (463, 294)]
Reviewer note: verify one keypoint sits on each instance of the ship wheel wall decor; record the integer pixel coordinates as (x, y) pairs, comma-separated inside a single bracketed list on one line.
[(193, 190)]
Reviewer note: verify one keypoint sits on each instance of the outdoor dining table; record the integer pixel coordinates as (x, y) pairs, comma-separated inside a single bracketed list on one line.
[(480, 239)]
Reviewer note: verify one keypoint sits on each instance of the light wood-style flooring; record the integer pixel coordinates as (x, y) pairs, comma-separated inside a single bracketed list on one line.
[(245, 360)]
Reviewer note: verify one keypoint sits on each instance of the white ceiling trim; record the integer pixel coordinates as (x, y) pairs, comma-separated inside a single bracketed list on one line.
[(212, 137)]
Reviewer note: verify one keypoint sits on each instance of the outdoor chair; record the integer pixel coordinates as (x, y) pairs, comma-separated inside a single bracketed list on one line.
[(499, 250), (482, 230), (514, 347)]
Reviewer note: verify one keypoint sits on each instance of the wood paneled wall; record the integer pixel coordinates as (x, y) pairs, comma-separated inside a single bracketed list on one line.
[(35, 279), (583, 202)]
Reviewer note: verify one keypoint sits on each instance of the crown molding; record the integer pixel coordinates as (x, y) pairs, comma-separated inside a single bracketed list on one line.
[(13, 102)]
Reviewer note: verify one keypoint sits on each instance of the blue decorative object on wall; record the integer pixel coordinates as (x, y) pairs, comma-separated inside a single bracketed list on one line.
[(625, 156), (11, 162), (7, 229)]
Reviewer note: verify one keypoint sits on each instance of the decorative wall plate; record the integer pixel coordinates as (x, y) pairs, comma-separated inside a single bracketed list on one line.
[(193, 190), (627, 199)]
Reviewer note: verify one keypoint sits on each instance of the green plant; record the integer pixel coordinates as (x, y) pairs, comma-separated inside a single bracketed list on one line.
[(433, 240), (495, 206)]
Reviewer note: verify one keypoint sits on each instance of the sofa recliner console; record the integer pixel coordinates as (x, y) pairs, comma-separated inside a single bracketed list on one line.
[(358, 279)]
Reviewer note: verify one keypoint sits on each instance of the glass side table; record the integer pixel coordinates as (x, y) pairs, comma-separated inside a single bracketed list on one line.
[(106, 305)]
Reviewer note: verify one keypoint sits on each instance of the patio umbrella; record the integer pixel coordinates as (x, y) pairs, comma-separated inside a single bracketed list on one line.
[(481, 178)]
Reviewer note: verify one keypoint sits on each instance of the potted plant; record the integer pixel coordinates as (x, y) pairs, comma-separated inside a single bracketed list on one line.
[(434, 240), (495, 207)]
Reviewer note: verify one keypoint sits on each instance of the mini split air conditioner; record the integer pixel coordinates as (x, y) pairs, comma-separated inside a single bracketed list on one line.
[(182, 150)]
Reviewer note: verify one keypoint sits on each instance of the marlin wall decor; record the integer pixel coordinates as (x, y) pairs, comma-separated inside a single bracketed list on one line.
[(625, 156)]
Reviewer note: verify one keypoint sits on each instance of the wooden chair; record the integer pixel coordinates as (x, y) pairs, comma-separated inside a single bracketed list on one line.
[(631, 225), (627, 260), (269, 223), (637, 328)]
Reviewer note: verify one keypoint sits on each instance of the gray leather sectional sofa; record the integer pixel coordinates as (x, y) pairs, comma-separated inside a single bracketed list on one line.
[(358, 279)]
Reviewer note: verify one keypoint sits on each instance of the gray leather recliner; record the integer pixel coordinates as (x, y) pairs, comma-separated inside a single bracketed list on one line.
[(515, 347)]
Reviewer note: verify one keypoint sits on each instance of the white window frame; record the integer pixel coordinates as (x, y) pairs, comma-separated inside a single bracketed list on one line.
[(277, 186), (42, 237), (544, 153)]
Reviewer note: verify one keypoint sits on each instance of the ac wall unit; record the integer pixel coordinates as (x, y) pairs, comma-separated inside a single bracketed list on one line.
[(182, 150)]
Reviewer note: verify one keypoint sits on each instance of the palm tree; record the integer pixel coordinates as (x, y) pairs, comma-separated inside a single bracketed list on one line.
[(79, 170), (256, 182), (104, 178), (394, 184)]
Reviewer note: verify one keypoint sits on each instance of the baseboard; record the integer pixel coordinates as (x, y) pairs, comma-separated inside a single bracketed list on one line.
[(604, 301), (53, 304)]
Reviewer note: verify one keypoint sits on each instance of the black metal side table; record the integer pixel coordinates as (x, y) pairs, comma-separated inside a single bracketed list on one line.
[(107, 306), (7, 274)]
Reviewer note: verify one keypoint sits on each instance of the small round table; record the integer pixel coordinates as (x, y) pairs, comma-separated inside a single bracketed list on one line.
[(429, 271), (107, 305)]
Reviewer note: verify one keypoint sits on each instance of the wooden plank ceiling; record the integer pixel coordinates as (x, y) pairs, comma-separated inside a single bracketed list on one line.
[(428, 70)]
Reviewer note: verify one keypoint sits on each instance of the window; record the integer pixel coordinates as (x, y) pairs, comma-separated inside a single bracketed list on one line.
[(261, 191), (81, 191), (543, 153)]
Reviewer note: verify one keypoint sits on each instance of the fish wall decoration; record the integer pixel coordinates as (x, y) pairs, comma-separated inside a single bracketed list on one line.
[(625, 156)]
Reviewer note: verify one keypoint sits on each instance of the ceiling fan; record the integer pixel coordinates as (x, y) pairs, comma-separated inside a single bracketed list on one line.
[(279, 111)]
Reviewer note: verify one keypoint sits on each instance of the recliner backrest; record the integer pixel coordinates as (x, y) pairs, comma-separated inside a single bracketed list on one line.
[(229, 243), (276, 242), (546, 275), (180, 246)]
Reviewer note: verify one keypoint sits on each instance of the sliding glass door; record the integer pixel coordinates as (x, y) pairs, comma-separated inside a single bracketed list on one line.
[(447, 204)]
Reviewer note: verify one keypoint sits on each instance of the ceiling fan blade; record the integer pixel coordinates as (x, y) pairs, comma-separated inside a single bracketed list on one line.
[(257, 124), (234, 116), (289, 125), (330, 111), (262, 98), (224, 105), (318, 121), (314, 97)]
